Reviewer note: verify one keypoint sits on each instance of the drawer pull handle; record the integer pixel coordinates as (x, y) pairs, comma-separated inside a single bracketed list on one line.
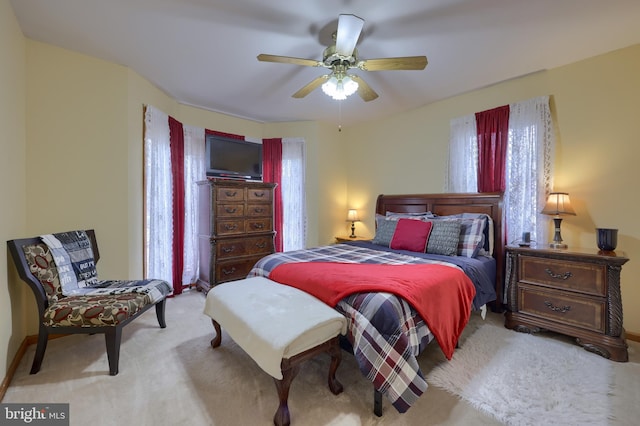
[(228, 249), (258, 210), (261, 245), (562, 309), (258, 194), (229, 227), (564, 276), (231, 193), (229, 271), (231, 209), (258, 225)]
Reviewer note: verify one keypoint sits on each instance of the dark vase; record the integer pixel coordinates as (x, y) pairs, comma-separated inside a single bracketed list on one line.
[(607, 238)]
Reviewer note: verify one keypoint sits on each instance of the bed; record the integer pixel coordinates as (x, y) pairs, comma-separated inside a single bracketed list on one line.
[(388, 327)]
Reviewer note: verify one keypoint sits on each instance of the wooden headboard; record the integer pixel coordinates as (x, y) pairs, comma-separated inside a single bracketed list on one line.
[(447, 204)]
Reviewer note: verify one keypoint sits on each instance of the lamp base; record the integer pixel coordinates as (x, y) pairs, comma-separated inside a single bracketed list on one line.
[(558, 246), (557, 238)]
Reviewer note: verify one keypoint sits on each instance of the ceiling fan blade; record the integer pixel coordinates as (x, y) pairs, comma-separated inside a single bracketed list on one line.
[(317, 82), (289, 60), (364, 90), (349, 28), (401, 63)]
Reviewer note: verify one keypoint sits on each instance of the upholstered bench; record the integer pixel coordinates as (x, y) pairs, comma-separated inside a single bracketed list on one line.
[(279, 327)]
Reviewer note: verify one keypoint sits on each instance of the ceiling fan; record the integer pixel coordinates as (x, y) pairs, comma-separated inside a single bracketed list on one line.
[(341, 57)]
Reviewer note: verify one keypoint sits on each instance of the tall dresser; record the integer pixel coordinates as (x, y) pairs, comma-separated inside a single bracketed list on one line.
[(235, 229)]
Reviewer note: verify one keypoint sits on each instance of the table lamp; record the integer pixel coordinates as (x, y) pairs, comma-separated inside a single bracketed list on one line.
[(558, 204), (352, 216)]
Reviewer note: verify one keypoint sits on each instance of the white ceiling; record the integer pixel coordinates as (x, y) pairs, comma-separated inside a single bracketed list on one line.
[(203, 52)]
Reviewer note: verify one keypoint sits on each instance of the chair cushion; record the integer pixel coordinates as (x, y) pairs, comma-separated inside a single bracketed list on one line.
[(43, 267), (94, 311)]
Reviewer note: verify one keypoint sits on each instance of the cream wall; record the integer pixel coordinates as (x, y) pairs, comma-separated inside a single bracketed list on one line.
[(77, 134), (596, 110), (13, 296), (74, 151)]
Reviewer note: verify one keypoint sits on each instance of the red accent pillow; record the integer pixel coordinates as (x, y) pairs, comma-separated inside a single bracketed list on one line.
[(411, 235)]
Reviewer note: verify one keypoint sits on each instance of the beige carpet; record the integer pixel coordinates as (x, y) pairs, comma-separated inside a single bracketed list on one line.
[(525, 379), (173, 377)]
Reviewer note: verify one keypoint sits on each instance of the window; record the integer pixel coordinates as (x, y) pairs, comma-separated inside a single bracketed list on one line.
[(528, 168)]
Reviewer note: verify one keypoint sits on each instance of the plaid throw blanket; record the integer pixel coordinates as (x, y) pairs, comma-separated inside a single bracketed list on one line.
[(74, 260), (73, 256), (385, 332)]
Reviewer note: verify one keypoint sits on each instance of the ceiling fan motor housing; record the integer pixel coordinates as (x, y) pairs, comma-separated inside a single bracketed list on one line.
[(331, 58)]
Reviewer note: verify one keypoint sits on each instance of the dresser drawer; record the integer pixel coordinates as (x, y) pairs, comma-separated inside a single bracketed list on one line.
[(587, 278), (256, 194), (563, 307), (234, 269), (234, 247), (258, 225), (257, 210), (229, 193), (230, 227), (230, 210)]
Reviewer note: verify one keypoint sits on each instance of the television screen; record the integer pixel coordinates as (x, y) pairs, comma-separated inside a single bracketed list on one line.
[(233, 158)]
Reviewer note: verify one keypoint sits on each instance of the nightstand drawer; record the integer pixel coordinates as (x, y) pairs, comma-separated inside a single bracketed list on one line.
[(564, 307), (565, 274)]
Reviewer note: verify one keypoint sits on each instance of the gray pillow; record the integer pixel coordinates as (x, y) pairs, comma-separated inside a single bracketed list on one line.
[(444, 237), (384, 231)]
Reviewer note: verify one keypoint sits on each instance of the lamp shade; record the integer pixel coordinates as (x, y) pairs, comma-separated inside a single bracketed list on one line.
[(558, 203), (352, 215), (340, 86)]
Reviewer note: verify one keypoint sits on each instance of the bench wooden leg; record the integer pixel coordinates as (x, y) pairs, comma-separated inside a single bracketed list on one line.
[(215, 342), (377, 402), (290, 368), (282, 417), (336, 357)]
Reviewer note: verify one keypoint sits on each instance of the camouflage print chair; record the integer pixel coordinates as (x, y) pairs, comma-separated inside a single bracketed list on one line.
[(107, 310)]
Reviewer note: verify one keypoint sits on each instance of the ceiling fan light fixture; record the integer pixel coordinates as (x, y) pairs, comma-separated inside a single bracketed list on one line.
[(341, 57), (340, 88)]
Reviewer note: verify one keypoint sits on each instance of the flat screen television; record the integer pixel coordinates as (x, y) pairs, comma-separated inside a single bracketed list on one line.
[(233, 158)]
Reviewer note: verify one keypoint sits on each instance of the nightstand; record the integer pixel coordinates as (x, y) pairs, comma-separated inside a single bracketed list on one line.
[(574, 292), (347, 238)]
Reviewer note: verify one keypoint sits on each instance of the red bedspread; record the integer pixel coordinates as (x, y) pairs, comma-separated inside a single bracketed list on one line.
[(442, 295)]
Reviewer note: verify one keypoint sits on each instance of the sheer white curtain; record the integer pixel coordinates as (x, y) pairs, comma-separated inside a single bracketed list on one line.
[(194, 171), (157, 195), (462, 175), (529, 168), (294, 204)]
